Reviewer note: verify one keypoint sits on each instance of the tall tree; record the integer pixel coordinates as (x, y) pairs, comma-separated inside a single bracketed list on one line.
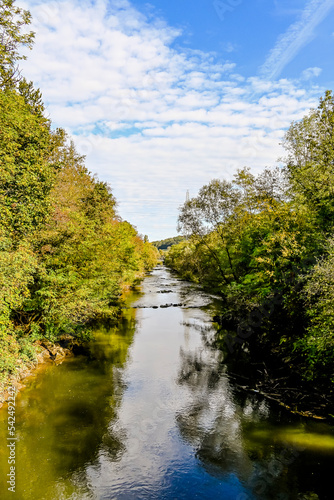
[(26, 175), (13, 21), (310, 161)]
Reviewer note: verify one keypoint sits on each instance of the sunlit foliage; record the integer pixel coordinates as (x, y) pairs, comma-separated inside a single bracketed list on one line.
[(259, 236), (66, 256)]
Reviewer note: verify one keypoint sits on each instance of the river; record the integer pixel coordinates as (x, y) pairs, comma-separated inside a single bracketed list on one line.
[(152, 413)]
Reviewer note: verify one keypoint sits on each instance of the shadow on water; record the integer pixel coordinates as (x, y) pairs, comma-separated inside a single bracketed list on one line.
[(152, 413), (64, 417), (272, 453)]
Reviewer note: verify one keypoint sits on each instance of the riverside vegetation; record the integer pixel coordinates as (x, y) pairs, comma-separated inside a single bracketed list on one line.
[(66, 256), (265, 245)]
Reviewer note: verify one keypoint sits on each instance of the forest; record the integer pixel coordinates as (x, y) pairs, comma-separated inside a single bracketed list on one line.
[(66, 256), (264, 244), (168, 242)]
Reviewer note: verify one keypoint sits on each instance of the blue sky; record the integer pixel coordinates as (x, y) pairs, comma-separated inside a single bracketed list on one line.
[(164, 96)]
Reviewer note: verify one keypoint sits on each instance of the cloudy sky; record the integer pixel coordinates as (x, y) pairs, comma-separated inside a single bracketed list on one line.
[(163, 96)]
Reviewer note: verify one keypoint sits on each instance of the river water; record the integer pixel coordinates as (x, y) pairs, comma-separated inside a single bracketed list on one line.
[(152, 413)]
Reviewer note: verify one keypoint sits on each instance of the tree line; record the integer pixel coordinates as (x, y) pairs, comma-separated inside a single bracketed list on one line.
[(168, 242), (66, 256), (258, 237)]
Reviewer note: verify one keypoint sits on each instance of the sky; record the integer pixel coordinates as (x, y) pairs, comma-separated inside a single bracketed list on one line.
[(164, 96)]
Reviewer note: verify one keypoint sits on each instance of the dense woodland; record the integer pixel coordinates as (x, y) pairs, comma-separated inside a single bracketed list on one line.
[(265, 244), (66, 257), (168, 242)]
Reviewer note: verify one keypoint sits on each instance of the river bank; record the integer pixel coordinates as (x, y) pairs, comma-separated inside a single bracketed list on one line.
[(263, 366), (300, 399), (269, 370), (46, 353), (151, 410), (258, 366)]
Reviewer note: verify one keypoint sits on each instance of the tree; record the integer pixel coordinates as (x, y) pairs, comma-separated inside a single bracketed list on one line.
[(100, 203), (310, 161), (211, 211), (26, 175), (32, 97), (223, 213), (208, 211), (66, 257), (317, 345), (13, 20)]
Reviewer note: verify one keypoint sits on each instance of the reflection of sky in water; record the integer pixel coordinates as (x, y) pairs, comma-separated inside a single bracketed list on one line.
[(153, 414), (186, 431), (160, 460)]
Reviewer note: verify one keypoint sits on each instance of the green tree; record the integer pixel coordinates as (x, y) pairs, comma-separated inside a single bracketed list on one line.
[(13, 21), (26, 175), (66, 257), (231, 219), (310, 161), (317, 345), (87, 256), (211, 211), (32, 97)]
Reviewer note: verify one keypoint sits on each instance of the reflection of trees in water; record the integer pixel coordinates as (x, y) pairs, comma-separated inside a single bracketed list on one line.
[(216, 423), (192, 296), (72, 418), (211, 422), (107, 361)]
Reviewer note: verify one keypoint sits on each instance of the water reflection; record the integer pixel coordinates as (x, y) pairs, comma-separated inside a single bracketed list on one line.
[(211, 423), (238, 433), (64, 420), (153, 413), (159, 463)]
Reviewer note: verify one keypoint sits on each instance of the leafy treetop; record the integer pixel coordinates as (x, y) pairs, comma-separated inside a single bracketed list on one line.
[(13, 36)]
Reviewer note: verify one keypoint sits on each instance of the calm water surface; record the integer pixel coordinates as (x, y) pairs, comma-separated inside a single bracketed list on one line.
[(153, 414)]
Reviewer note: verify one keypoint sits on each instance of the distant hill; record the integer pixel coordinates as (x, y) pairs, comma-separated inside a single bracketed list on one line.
[(164, 244)]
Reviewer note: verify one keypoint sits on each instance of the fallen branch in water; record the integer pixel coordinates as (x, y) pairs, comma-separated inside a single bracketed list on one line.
[(296, 395)]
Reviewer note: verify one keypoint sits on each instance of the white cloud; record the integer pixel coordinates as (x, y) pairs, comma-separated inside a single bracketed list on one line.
[(296, 37), (229, 47), (309, 73), (153, 120)]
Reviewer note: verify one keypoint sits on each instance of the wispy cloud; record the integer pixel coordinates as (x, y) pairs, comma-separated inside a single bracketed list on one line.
[(309, 73), (295, 38)]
